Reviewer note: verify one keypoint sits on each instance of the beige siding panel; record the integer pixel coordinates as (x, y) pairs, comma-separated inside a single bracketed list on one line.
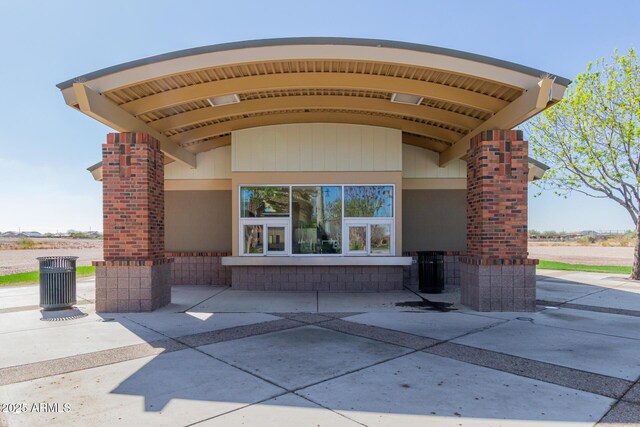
[(198, 221), (306, 149), (293, 149), (316, 147), (331, 148), (212, 164), (419, 162), (434, 220)]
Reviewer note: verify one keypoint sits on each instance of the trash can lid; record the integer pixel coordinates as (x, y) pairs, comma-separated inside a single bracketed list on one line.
[(47, 258)]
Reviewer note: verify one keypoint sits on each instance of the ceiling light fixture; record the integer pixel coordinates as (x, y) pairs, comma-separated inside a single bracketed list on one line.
[(405, 98), (217, 101)]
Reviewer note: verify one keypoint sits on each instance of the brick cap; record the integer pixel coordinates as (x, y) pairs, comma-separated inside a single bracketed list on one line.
[(196, 253), (498, 261), (446, 253), (498, 135), (132, 262)]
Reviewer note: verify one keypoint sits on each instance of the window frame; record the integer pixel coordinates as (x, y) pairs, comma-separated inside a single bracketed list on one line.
[(287, 222)]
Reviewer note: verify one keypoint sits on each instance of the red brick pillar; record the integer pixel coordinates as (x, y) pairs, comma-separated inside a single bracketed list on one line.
[(134, 275), (495, 272)]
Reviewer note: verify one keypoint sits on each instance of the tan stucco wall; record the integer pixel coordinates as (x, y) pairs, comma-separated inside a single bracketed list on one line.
[(434, 220), (256, 178), (198, 220)]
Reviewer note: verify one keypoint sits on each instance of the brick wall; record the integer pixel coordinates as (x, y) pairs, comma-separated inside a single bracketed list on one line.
[(133, 197), (134, 275), (497, 169)]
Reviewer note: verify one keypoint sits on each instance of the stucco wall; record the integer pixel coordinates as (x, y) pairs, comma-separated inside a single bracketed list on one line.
[(434, 220), (197, 221)]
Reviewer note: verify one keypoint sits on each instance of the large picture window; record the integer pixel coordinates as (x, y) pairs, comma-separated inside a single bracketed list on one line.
[(368, 201), (355, 220), (264, 202), (316, 220)]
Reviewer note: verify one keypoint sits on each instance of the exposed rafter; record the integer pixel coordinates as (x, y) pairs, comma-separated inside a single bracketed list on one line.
[(315, 102), (100, 108), (315, 117), (314, 80), (530, 103)]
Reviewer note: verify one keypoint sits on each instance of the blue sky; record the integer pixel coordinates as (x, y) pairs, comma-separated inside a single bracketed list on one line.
[(45, 146)]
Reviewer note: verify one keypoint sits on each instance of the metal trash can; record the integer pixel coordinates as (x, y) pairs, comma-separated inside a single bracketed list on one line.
[(57, 282), (431, 272)]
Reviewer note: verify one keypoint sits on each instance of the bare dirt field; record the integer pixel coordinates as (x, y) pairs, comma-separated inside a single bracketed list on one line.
[(23, 260), (576, 254)]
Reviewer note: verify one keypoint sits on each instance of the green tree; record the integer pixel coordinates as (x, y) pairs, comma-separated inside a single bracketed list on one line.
[(591, 139)]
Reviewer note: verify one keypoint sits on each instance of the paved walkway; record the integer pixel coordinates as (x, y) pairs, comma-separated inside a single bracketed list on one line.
[(222, 357)]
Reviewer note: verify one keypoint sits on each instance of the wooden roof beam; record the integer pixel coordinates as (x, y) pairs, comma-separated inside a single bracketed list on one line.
[(530, 103), (316, 117), (105, 111), (317, 80), (295, 102)]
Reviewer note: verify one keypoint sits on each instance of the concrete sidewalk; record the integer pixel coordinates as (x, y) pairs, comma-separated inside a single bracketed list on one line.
[(216, 356)]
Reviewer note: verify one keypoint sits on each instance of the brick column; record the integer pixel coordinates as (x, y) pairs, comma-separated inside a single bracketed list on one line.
[(134, 275), (495, 273)]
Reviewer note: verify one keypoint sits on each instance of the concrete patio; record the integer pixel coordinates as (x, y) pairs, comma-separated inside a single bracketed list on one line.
[(217, 356)]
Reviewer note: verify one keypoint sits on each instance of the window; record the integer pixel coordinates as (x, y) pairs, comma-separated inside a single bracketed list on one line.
[(312, 220), (365, 210), (253, 242), (265, 237), (316, 220), (264, 202), (368, 201), (264, 222)]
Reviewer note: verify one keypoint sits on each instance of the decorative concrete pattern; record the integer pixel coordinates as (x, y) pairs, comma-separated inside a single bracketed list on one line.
[(498, 287), (623, 414), (333, 354), (20, 373), (199, 268), (556, 366), (379, 334), (421, 389), (547, 372), (312, 278)]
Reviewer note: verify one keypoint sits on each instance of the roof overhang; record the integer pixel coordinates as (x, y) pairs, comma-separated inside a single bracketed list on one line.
[(304, 80)]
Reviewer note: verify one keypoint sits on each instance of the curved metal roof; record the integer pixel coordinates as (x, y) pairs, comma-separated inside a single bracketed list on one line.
[(300, 80), (310, 41)]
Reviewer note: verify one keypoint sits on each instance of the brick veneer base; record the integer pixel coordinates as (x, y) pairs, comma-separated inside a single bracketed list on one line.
[(498, 285), (311, 278), (130, 286), (199, 268)]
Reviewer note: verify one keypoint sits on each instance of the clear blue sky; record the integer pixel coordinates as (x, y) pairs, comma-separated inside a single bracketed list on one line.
[(45, 146)]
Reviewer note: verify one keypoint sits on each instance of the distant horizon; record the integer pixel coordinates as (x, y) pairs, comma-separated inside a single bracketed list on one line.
[(45, 146)]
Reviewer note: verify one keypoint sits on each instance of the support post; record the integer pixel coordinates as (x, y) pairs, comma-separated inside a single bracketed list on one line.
[(495, 273), (134, 275)]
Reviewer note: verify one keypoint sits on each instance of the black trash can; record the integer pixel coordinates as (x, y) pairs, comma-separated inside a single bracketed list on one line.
[(431, 271), (57, 282)]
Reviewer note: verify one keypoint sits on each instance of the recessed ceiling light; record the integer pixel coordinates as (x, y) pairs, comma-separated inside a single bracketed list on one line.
[(217, 101), (405, 98)]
